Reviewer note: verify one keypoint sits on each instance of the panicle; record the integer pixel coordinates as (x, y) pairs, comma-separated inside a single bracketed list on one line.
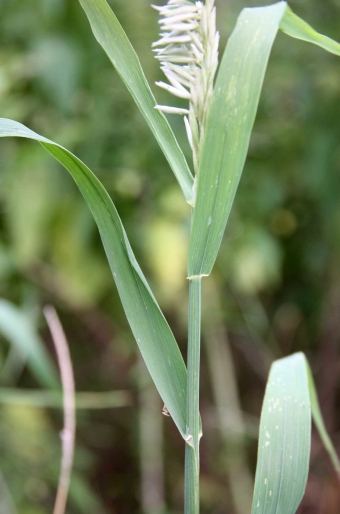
[(188, 53)]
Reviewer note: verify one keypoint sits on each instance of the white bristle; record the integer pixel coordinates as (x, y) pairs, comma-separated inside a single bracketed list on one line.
[(188, 51)]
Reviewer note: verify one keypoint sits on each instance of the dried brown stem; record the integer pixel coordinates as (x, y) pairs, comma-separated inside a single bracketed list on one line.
[(68, 433)]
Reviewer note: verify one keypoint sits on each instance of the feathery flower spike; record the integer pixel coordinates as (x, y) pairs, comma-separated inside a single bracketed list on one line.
[(188, 52)]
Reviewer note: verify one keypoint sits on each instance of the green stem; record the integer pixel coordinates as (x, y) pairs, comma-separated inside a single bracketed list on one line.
[(193, 428)]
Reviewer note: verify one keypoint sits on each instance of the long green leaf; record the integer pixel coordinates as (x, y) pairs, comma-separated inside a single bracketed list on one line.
[(295, 27), (229, 126), (284, 440), (152, 333), (110, 35), (230, 122), (18, 329)]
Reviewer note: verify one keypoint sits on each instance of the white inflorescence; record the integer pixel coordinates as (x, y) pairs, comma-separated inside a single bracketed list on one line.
[(188, 52)]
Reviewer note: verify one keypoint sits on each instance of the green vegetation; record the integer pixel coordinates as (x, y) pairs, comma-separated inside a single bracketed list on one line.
[(252, 259)]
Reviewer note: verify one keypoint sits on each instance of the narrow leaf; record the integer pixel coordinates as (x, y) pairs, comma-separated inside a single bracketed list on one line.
[(18, 329), (320, 425), (230, 122), (152, 333), (111, 36), (298, 28), (284, 440)]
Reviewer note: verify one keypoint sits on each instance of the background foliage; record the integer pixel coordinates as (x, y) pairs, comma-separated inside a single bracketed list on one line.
[(275, 288)]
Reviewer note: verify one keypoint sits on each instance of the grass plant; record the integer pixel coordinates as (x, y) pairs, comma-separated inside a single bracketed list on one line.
[(218, 119)]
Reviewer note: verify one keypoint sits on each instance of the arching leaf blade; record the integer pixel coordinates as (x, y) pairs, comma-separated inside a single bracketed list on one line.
[(284, 439), (111, 36), (296, 27), (152, 333)]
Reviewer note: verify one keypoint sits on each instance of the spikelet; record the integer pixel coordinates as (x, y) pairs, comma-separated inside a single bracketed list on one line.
[(188, 52)]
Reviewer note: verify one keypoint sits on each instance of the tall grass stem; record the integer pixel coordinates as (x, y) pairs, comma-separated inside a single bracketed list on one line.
[(193, 430)]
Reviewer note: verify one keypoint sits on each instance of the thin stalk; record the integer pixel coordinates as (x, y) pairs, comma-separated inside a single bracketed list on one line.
[(193, 429), (188, 52), (68, 385)]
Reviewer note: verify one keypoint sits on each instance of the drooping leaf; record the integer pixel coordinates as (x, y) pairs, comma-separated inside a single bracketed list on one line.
[(111, 36), (284, 439), (295, 27), (152, 333), (19, 330), (230, 122)]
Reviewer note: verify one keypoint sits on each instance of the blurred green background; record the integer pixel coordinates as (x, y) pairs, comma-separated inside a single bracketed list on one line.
[(275, 288)]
